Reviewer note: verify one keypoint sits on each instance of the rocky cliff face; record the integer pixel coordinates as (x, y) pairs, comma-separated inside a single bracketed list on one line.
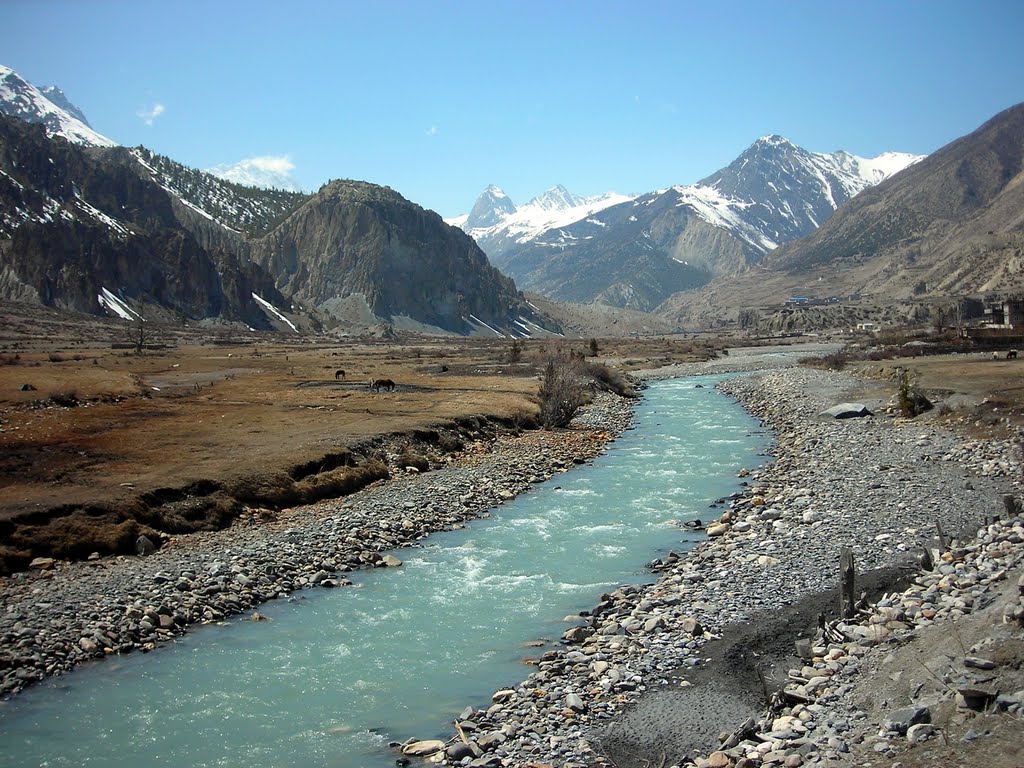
[(75, 221), (354, 240)]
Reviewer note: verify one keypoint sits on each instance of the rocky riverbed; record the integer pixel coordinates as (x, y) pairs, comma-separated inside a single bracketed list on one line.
[(635, 684)]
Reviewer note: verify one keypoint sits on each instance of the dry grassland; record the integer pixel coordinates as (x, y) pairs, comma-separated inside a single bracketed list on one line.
[(105, 438)]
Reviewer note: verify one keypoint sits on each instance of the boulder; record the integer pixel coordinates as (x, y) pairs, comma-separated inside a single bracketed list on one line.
[(899, 720), (423, 748), (718, 529), (847, 411), (144, 546), (692, 627), (575, 703)]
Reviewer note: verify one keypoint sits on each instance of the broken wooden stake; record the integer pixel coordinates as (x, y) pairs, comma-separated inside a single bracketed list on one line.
[(847, 601)]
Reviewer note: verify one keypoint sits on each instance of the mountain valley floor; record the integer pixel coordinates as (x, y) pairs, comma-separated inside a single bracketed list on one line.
[(221, 410)]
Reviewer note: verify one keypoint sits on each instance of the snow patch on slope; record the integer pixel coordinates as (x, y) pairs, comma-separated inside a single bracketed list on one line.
[(268, 307), (113, 304)]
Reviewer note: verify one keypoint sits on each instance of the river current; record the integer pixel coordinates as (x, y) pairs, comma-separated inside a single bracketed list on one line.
[(334, 675)]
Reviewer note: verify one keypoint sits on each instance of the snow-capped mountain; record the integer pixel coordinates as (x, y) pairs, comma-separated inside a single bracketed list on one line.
[(776, 191), (266, 172), (498, 225), (49, 106), (772, 193), (490, 209)]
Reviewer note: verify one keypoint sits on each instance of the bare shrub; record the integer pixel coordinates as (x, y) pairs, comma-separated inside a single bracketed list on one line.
[(608, 379), (65, 398), (561, 391), (55, 358)]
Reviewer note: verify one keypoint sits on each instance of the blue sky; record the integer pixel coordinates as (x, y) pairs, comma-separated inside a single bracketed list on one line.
[(439, 99)]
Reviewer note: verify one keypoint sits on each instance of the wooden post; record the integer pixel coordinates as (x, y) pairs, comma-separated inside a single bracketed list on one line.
[(1013, 507), (942, 537), (846, 583)]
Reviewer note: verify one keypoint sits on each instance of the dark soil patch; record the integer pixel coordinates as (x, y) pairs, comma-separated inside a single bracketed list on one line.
[(669, 724)]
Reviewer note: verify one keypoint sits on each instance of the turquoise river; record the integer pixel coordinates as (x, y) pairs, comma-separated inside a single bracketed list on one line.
[(337, 674)]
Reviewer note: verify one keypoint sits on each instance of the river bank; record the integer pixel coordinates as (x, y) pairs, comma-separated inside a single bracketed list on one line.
[(75, 612), (636, 686)]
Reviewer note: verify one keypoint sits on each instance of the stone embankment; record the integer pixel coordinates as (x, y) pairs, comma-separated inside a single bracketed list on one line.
[(618, 691), (67, 613)]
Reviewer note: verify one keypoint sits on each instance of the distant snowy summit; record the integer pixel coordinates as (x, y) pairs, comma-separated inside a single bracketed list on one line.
[(776, 191), (263, 172), (497, 224), (49, 106)]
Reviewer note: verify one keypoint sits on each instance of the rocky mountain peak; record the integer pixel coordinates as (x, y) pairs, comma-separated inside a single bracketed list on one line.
[(558, 198), (20, 99), (491, 208), (58, 97)]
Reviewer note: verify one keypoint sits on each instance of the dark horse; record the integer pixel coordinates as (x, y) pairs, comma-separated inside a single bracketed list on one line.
[(1011, 355), (386, 384), (339, 374)]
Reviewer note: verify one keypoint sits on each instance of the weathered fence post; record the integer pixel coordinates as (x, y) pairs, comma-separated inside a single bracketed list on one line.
[(846, 583), (942, 537)]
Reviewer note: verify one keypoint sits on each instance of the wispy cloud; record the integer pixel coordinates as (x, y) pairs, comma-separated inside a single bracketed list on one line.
[(271, 163), (431, 131), (260, 171), (148, 116)]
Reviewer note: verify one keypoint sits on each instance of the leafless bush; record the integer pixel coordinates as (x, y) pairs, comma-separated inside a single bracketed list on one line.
[(67, 398), (833, 361), (608, 379), (561, 390)]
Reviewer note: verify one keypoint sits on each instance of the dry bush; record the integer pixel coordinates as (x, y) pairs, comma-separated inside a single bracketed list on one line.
[(450, 442), (608, 379), (911, 400), (561, 390), (197, 513), (523, 419), (65, 399), (13, 559), (271, 489), (833, 361)]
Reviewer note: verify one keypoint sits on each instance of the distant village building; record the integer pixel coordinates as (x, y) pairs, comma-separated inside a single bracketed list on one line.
[(1006, 314), (1002, 321), (869, 327)]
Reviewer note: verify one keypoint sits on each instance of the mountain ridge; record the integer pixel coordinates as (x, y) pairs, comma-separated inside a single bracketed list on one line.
[(638, 252), (950, 225)]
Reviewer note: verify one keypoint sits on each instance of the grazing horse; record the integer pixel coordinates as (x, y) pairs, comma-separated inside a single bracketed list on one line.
[(339, 374), (386, 384), (1011, 355)]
